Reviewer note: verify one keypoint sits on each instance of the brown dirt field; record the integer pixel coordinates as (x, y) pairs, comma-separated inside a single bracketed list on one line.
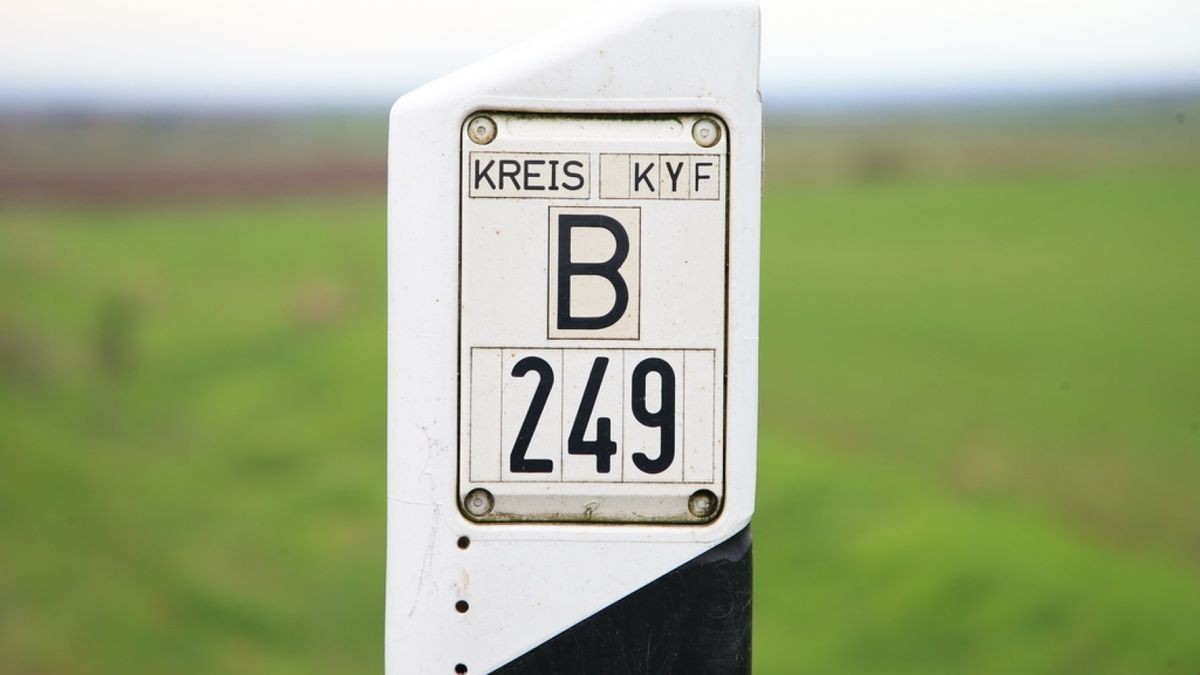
[(113, 158), (123, 184)]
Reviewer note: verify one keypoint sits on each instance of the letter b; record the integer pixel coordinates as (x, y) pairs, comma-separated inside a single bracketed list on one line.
[(594, 273)]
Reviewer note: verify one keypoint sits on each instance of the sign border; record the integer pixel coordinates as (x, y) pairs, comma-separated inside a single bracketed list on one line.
[(724, 371)]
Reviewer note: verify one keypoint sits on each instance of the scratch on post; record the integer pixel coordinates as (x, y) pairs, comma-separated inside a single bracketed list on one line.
[(431, 446), (426, 562)]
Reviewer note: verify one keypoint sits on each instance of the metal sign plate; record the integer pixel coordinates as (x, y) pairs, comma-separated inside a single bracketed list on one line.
[(592, 323)]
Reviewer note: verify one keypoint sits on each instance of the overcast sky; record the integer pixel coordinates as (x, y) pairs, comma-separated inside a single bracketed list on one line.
[(356, 52)]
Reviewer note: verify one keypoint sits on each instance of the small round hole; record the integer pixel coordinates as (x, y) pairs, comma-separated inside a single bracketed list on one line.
[(464, 542), (462, 606), (460, 668)]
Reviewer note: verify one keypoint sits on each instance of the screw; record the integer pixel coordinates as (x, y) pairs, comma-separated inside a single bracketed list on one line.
[(481, 130), (702, 504), (706, 132), (479, 502)]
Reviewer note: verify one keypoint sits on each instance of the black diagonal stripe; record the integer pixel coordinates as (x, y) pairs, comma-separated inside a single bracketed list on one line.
[(695, 620)]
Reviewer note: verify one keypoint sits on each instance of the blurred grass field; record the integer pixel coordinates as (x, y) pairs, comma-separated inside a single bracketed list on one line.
[(980, 439)]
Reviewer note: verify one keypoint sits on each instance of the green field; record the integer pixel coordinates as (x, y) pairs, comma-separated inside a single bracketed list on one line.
[(980, 440)]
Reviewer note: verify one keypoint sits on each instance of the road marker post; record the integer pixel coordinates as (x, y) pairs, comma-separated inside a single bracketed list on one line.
[(573, 260)]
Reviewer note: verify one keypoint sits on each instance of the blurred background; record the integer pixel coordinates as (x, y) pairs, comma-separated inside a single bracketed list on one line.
[(980, 440)]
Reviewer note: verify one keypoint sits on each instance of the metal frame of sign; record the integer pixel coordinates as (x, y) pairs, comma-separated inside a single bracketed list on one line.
[(680, 234)]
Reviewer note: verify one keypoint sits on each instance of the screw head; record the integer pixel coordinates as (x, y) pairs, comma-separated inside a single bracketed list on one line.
[(702, 504), (479, 502), (706, 132), (481, 129)]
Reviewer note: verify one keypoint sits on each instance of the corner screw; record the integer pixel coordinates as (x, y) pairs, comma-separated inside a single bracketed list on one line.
[(481, 129), (706, 132), (702, 504), (479, 502)]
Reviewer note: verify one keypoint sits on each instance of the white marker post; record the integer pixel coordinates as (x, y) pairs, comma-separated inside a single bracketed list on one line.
[(573, 256)]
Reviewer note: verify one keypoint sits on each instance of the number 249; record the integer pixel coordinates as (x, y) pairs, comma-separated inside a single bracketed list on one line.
[(602, 447)]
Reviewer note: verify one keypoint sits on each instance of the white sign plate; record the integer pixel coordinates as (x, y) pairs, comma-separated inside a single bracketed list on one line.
[(592, 318)]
